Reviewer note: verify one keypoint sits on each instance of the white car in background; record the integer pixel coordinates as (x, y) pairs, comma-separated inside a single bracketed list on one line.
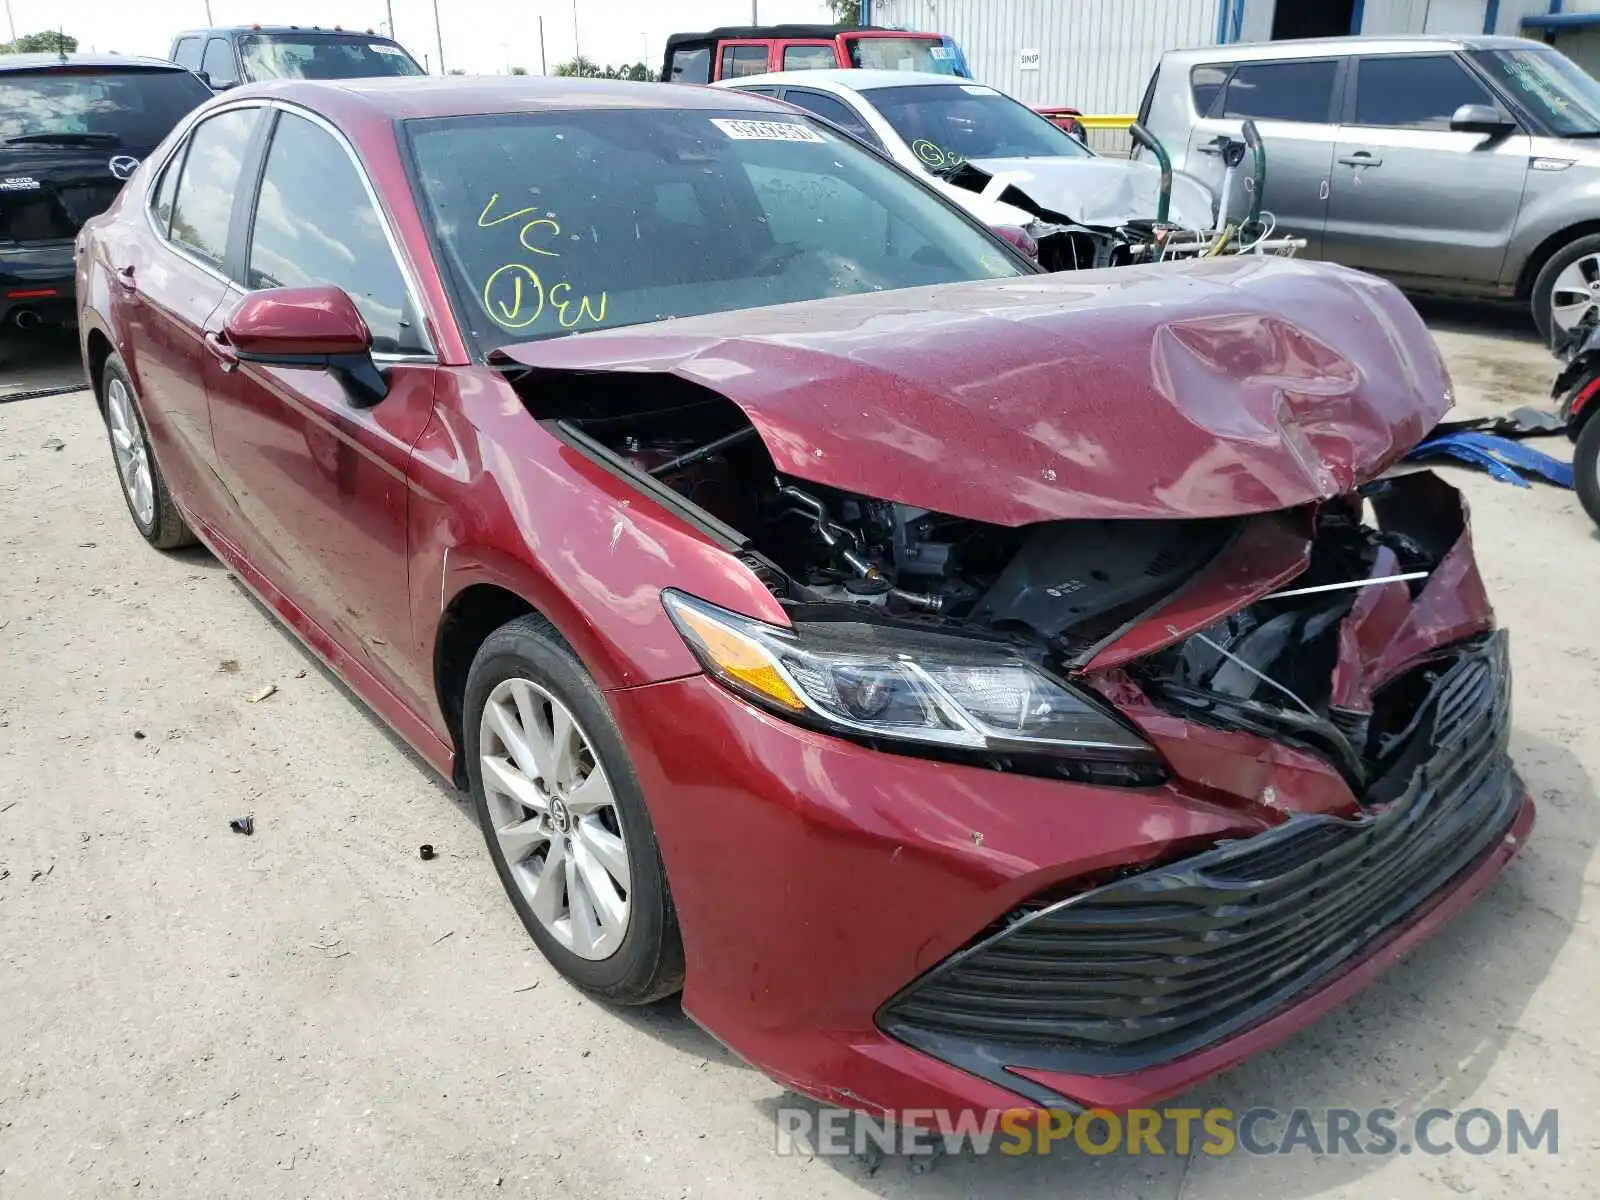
[(935, 124)]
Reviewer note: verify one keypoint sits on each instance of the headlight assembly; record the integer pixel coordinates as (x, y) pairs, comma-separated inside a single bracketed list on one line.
[(902, 689)]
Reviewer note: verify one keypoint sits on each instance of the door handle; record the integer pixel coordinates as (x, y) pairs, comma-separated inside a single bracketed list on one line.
[(221, 351), (1362, 158), (125, 277)]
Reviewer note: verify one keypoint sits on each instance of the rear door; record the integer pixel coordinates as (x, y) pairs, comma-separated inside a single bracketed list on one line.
[(321, 485), (167, 288), (1410, 197), (1292, 102)]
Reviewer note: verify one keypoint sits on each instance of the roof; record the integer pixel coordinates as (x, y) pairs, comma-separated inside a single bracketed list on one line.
[(330, 31), (776, 31), (404, 97), (1324, 47), (847, 79), (79, 62)]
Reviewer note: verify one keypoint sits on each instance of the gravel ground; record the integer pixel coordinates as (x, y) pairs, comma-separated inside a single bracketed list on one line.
[(314, 1011)]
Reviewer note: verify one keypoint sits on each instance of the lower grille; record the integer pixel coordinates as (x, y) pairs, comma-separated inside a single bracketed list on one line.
[(1157, 965)]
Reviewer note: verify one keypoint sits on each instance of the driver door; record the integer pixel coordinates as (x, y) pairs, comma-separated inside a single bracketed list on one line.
[(322, 485)]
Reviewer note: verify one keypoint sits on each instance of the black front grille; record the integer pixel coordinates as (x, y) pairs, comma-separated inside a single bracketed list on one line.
[(1160, 964)]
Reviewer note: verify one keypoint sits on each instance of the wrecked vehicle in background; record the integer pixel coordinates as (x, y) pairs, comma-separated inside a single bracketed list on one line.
[(1010, 167), (976, 688)]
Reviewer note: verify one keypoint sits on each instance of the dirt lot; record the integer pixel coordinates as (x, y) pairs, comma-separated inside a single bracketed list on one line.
[(314, 1011)]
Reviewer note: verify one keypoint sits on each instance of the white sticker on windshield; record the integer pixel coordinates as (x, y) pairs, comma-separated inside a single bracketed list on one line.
[(766, 131), (973, 89), (380, 48), (939, 53)]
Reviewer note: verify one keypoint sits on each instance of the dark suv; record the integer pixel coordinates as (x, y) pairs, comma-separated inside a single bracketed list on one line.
[(72, 129), (225, 58)]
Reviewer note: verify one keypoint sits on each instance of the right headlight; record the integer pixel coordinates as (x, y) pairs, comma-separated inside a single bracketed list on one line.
[(931, 690)]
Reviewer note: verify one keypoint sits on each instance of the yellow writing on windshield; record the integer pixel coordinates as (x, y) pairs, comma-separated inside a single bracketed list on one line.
[(514, 296), (548, 221)]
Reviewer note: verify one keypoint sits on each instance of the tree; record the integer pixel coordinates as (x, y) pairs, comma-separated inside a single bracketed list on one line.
[(51, 42), (845, 12), (581, 67), (519, 70)]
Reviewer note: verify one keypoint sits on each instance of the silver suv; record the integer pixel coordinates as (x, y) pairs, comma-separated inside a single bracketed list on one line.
[(1468, 166)]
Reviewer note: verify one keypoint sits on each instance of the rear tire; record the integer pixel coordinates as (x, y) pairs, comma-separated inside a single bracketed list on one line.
[(144, 489), (565, 819), (1569, 272), (1586, 468)]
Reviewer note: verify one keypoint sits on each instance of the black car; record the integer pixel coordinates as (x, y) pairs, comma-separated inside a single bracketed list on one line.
[(228, 56), (72, 129)]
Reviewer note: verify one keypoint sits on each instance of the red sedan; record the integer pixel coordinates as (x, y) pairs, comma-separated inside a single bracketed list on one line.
[(971, 687)]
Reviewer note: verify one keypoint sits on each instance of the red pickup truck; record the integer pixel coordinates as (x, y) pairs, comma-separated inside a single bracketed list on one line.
[(737, 50)]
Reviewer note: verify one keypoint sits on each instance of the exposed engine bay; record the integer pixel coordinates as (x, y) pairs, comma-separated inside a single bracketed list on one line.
[(1058, 592)]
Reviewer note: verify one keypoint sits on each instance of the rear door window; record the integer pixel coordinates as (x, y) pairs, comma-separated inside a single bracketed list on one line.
[(315, 223), (1282, 91), (202, 210), (187, 53), (1205, 82), (831, 108), (738, 61), (218, 63), (1414, 92), (819, 57)]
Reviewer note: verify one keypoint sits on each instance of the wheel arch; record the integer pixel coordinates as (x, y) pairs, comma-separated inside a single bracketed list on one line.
[(466, 622), (1548, 249), (97, 351)]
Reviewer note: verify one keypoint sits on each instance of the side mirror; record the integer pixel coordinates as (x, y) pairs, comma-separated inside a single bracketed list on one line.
[(307, 327), (1482, 118)]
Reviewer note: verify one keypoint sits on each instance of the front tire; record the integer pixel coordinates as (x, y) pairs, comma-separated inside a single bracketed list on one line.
[(1586, 468), (1567, 287), (564, 817), (144, 489)]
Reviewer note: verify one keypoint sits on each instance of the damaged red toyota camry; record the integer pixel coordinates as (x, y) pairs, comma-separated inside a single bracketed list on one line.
[(971, 687)]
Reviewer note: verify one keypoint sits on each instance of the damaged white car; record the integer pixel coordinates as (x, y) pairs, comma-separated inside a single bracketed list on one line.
[(1011, 168)]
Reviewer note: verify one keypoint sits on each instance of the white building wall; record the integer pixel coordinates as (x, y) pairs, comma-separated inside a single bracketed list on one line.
[(1095, 55)]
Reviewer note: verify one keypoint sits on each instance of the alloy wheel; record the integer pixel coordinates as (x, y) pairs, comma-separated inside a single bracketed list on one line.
[(1576, 291), (132, 455), (555, 818)]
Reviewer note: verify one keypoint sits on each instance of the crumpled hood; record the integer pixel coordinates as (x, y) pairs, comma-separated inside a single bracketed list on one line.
[(1202, 389), (1096, 191)]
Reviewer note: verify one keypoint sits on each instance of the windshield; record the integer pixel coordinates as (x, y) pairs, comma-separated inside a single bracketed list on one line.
[(935, 54), (131, 110), (307, 56), (1550, 85), (555, 223), (945, 124)]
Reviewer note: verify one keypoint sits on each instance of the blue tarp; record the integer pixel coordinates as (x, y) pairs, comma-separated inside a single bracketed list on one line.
[(1508, 461)]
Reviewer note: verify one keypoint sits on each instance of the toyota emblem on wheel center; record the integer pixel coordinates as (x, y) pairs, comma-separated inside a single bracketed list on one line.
[(123, 166)]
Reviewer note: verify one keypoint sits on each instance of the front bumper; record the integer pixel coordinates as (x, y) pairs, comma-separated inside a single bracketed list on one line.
[(845, 911)]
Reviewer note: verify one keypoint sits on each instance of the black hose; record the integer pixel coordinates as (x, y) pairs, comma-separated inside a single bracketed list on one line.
[(1258, 155), (689, 458)]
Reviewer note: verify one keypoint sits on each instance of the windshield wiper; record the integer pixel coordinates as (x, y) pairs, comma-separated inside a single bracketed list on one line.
[(1582, 133), (64, 138)]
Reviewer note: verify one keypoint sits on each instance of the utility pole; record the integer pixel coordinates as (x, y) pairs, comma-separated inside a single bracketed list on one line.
[(388, 7), (543, 67), (438, 37), (577, 50), (11, 21), (209, 21), (755, 16)]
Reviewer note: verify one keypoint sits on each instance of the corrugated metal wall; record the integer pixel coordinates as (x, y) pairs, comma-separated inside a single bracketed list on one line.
[(1095, 55)]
